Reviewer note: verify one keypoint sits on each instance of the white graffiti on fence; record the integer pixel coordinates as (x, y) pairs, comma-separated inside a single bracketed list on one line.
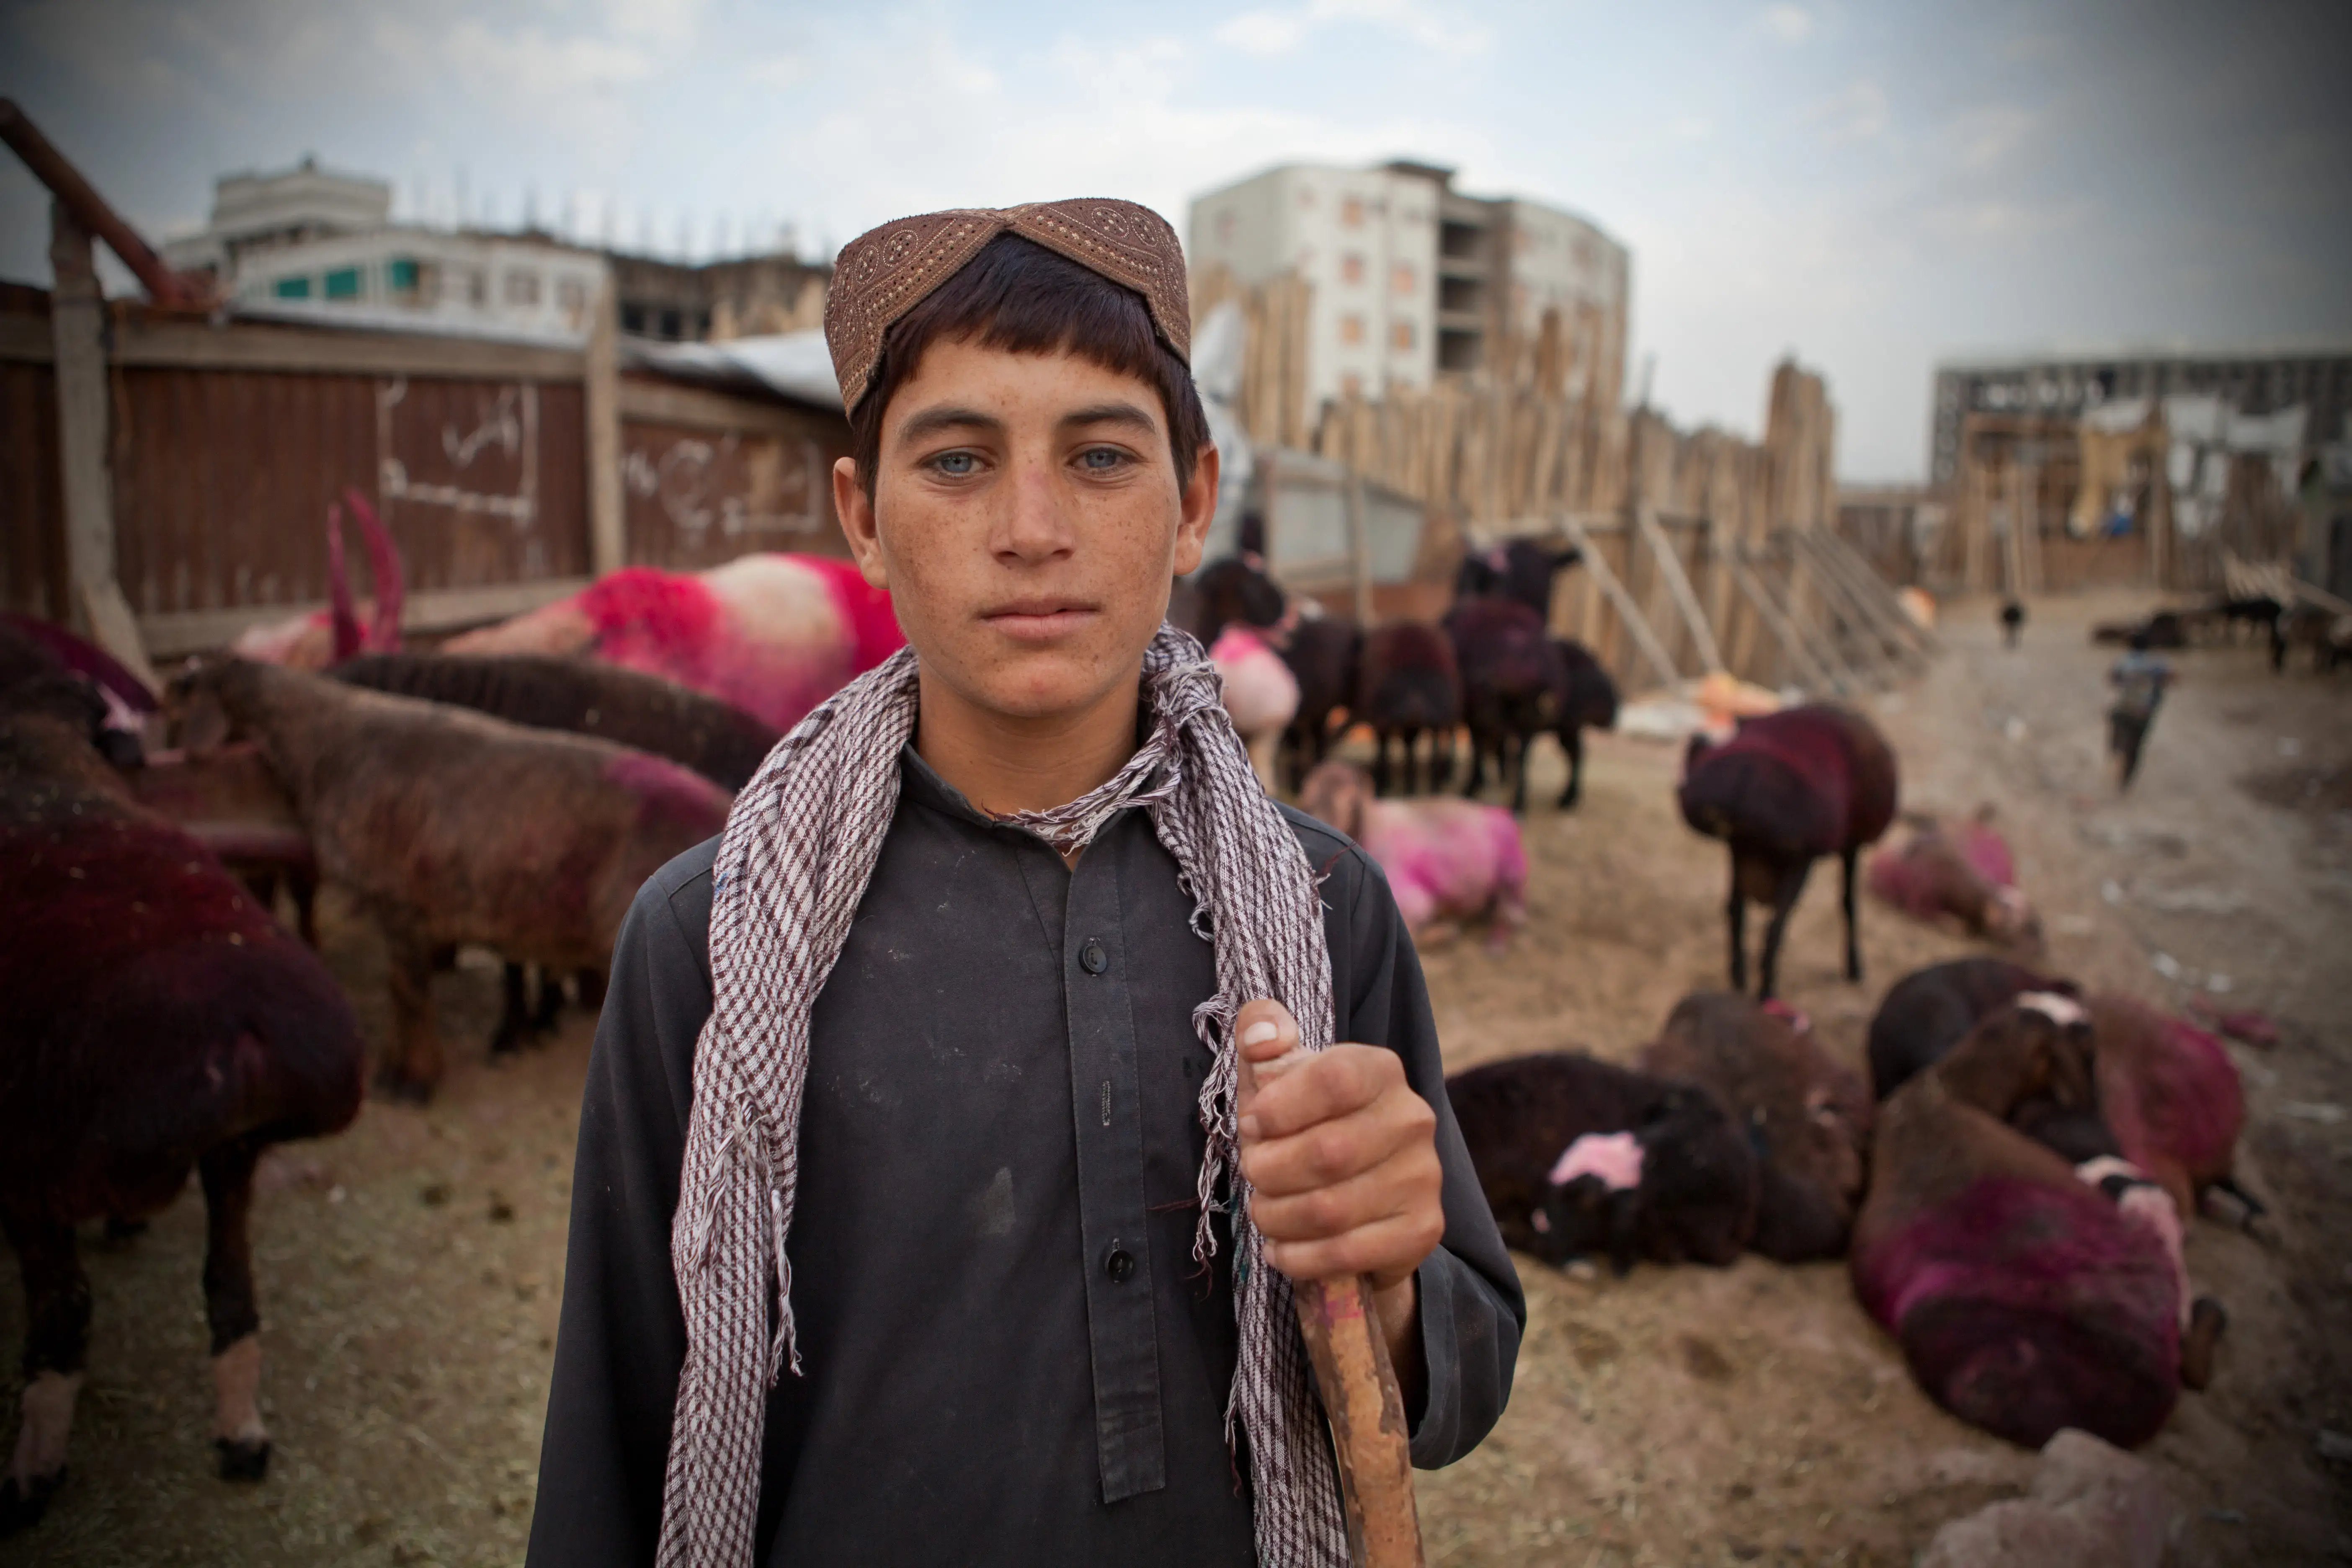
[(510, 422), (699, 487)]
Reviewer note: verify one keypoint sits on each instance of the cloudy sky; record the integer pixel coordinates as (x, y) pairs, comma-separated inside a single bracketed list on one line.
[(1869, 187)]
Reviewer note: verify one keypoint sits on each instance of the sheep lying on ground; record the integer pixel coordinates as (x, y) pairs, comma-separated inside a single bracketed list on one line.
[(1808, 1118), (1444, 860), (1961, 870), (1583, 1157)]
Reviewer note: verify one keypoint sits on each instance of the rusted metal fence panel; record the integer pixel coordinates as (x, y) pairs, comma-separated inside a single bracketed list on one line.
[(32, 505), (695, 497)]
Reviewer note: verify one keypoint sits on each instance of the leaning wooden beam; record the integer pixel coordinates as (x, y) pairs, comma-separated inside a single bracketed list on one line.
[(1670, 568), (1799, 656), (1874, 589), (1628, 612), (1858, 672), (1863, 614), (2319, 597)]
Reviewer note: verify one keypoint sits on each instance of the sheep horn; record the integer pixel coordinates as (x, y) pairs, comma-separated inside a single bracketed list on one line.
[(339, 588), (383, 561)]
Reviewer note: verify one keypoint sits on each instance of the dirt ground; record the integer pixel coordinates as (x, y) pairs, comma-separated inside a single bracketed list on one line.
[(410, 1269)]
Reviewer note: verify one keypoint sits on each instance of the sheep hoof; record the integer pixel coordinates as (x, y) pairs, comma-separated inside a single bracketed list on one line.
[(243, 1459), (22, 1503)]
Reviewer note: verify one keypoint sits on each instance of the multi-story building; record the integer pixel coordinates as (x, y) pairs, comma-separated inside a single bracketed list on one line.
[(309, 238), (2250, 383), (1412, 279)]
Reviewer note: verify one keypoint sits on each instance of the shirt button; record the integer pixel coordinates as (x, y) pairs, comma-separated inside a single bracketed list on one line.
[(1092, 958), (1120, 1264)]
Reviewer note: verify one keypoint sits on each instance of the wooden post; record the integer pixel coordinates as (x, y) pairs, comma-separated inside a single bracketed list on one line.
[(77, 342), (1628, 612), (1359, 554), (1670, 570), (1800, 656), (608, 537), (1368, 1421)]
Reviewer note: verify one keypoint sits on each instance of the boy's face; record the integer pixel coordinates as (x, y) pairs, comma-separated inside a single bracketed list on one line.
[(1027, 521)]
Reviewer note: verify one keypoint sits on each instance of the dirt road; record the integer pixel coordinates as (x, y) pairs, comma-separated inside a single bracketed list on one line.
[(409, 1271)]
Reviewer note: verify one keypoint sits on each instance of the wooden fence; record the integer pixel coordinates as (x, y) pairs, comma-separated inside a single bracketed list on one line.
[(164, 481)]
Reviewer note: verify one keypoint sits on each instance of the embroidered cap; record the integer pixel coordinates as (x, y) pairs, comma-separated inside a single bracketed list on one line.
[(888, 271)]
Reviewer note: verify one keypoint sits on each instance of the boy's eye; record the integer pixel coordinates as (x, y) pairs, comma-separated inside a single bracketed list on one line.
[(1101, 458), (955, 464)]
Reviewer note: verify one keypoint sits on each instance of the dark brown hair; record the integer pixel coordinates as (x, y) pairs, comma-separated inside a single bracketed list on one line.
[(1020, 297)]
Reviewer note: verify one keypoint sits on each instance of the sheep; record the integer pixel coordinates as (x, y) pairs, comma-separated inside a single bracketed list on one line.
[(1323, 653), (1511, 683), (1808, 1118), (157, 1020), (1786, 788), (1407, 685), (2170, 1094), (1235, 588), (1965, 871), (717, 740), (1517, 569), (2012, 621), (1927, 1012), (1258, 691), (1547, 1136), (774, 635), (322, 638), (2023, 1300), (1444, 860), (231, 803), (451, 826), (1587, 700), (29, 648)]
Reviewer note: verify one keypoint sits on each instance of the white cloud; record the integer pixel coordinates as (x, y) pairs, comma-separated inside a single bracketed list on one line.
[(1789, 24), (1858, 113), (1266, 33), (1988, 136)]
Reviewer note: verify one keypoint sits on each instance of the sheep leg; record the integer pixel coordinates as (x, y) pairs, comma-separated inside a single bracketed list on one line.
[(1853, 936), (414, 1067), (1734, 917), (550, 1011), (1518, 772), (56, 1348), (238, 1431), (1572, 741), (1380, 761), (1784, 902), (1480, 739), (514, 1014), (303, 886)]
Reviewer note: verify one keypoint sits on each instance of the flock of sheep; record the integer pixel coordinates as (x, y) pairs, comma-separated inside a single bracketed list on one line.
[(2011, 1197)]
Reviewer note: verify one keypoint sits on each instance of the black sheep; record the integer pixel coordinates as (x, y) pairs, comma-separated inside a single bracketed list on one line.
[(1682, 1189), (1927, 1012), (1511, 682), (1322, 652), (1407, 685), (156, 1019), (1787, 789), (1588, 700), (1517, 569)]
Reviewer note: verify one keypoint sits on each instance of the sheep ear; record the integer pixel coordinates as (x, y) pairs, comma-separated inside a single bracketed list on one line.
[(383, 561)]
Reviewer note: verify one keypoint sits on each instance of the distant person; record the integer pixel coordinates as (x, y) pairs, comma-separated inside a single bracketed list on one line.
[(2140, 678), (2012, 620)]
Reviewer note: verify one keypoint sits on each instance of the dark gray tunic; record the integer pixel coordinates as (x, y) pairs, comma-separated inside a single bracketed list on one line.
[(1009, 1352)]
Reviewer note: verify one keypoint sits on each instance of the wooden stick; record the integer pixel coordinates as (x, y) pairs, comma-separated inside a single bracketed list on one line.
[(1368, 1424)]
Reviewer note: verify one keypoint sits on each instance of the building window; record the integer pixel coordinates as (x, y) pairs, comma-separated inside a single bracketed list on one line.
[(1351, 385), (291, 289), (671, 326), (522, 287), (1351, 329), (632, 319), (401, 275), (344, 283), (1400, 336), (1351, 269), (570, 295), (1352, 212), (477, 287), (1403, 279)]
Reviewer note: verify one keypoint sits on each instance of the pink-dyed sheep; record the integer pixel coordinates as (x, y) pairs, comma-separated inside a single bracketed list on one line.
[(1259, 691), (322, 637), (1444, 860), (1963, 870), (774, 635)]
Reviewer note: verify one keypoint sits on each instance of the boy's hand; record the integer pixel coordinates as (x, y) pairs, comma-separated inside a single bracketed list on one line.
[(1343, 1156)]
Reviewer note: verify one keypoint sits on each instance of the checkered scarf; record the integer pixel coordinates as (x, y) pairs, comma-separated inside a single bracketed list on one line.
[(799, 849)]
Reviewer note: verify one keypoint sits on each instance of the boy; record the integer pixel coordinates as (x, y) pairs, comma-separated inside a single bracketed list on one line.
[(2140, 678), (904, 1225)]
